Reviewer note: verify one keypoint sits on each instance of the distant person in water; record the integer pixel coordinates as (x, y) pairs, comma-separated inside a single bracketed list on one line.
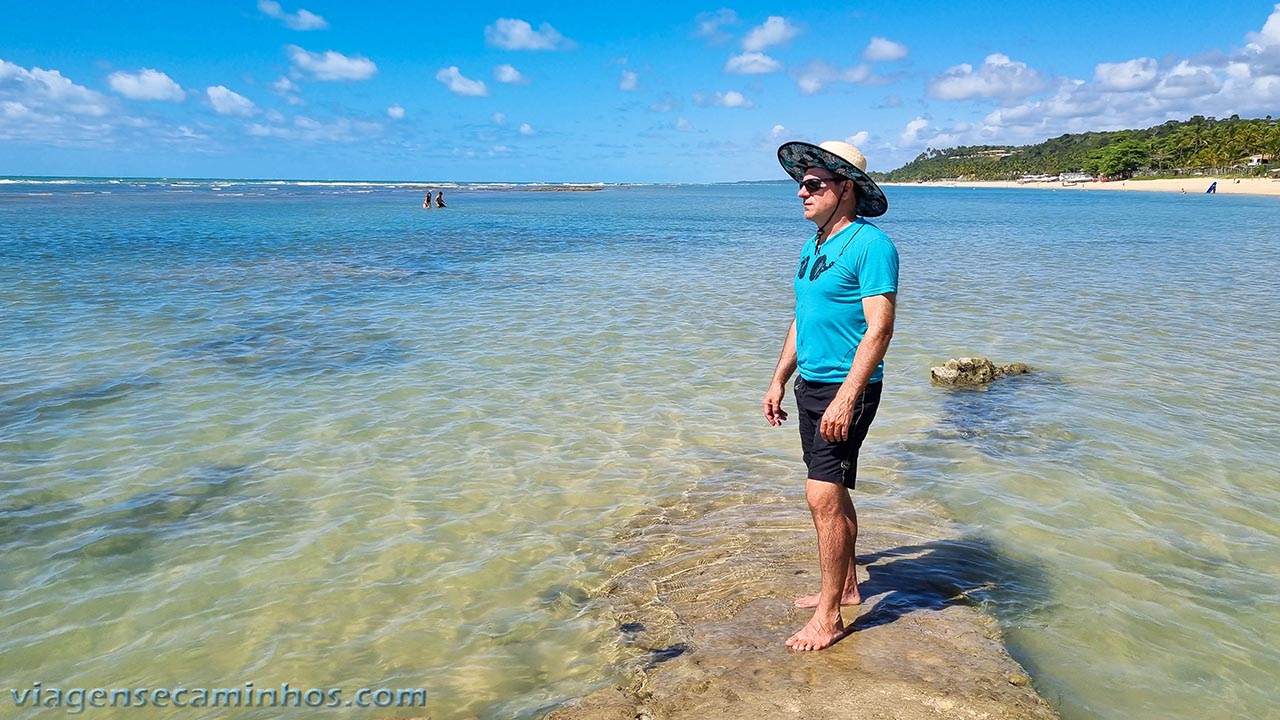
[(439, 199), (426, 201), (846, 290)]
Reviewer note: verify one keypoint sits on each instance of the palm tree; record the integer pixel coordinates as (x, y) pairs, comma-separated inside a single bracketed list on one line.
[(1159, 153)]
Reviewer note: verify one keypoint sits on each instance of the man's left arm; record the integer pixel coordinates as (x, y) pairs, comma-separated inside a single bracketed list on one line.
[(880, 311)]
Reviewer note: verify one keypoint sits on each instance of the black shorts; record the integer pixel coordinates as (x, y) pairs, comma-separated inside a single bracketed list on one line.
[(833, 462)]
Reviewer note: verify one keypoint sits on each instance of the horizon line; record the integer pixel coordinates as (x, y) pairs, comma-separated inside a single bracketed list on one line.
[(423, 183)]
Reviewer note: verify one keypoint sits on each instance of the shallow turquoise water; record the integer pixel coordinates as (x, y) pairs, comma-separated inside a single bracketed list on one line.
[(318, 435)]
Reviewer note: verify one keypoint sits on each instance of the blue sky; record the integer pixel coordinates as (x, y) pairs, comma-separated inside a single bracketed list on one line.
[(610, 91)]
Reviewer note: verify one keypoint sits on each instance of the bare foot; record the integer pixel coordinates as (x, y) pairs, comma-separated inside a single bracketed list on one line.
[(817, 635), (850, 597)]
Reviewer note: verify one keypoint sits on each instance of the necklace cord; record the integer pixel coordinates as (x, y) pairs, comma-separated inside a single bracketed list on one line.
[(832, 216)]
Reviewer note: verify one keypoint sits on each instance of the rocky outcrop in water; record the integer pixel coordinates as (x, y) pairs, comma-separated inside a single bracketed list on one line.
[(705, 608), (973, 372)]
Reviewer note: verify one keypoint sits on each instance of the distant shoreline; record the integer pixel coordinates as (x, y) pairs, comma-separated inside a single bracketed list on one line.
[(220, 183), (1189, 185)]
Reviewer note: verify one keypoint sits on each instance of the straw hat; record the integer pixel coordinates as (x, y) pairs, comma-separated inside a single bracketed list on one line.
[(842, 159)]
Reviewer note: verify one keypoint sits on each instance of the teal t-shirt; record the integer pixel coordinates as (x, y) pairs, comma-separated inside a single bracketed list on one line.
[(857, 262)]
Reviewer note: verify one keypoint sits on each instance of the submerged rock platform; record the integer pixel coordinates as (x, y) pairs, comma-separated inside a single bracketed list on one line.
[(973, 372), (706, 608)]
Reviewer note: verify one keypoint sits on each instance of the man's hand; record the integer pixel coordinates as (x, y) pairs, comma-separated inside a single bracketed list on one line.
[(835, 421), (773, 411)]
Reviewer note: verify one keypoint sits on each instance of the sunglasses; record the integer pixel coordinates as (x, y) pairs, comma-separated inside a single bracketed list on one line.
[(814, 184)]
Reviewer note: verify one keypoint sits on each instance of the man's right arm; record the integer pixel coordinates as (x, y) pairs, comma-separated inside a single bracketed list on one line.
[(773, 411)]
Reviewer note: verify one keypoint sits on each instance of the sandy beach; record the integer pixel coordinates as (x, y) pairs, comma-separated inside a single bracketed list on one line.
[(1226, 186)]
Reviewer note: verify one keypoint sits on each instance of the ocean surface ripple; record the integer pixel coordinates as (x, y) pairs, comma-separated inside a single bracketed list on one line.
[(316, 435)]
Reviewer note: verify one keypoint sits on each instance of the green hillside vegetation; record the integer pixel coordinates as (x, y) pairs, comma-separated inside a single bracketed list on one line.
[(1199, 145)]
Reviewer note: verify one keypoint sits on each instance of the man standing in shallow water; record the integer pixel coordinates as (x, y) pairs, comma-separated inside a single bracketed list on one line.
[(846, 290)]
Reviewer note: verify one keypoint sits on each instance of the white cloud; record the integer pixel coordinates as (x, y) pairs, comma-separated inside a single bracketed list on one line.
[(732, 99), (911, 133), (1078, 106), (526, 129), (1262, 51), (752, 63), (513, 34), (919, 133), (1138, 74), (499, 118), (1260, 96), (395, 112), (1247, 91), (998, 77), (628, 81), (859, 138), (461, 85), (1135, 93), (499, 150), (1263, 60), (1269, 36), (48, 91), (301, 20), (11, 110), (310, 130), (778, 132), (226, 102), (816, 75), (883, 50), (775, 31), (812, 79), (331, 65), (37, 121), (1187, 81), (709, 23), (285, 88), (683, 125), (508, 74), (146, 84), (1072, 99)]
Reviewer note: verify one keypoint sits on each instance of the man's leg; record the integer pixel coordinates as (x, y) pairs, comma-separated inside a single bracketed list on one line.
[(830, 505), (850, 596), (864, 414)]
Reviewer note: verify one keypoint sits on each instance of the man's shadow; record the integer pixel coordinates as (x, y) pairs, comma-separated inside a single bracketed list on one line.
[(942, 573)]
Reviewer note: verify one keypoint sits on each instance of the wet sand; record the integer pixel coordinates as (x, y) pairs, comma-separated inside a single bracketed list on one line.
[(1190, 185), (709, 604)]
